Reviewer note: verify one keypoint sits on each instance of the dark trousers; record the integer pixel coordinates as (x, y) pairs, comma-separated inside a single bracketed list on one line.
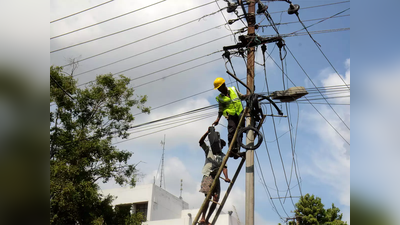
[(233, 122)]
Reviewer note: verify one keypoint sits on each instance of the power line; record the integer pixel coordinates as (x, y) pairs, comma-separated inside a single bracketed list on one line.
[(319, 46), (292, 143), (293, 146), (316, 86), (65, 92), (276, 135), (149, 125), (184, 50), (195, 21), (174, 121), (70, 32), (176, 116), (266, 187), (81, 11), (121, 31), (315, 6), (320, 21), (312, 104), (212, 89), (161, 130), (156, 48), (176, 53), (226, 21), (211, 61), (286, 23), (145, 38), (272, 170)]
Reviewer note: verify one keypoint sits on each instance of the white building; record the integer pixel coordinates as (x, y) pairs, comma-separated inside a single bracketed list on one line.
[(160, 206)]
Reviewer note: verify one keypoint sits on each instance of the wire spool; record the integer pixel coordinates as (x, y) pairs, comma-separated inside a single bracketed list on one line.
[(256, 133)]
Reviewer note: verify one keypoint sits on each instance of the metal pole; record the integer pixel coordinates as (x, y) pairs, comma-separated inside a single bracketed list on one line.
[(251, 20)]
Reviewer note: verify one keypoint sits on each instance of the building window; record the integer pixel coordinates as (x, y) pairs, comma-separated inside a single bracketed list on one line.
[(142, 208)]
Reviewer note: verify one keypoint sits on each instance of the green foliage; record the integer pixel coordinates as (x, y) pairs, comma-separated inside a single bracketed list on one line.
[(368, 211), (310, 211), (83, 122)]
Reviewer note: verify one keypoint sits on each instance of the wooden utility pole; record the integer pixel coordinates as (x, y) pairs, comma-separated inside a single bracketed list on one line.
[(251, 21)]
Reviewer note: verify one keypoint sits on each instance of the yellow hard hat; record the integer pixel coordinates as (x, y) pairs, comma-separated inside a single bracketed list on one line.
[(218, 82)]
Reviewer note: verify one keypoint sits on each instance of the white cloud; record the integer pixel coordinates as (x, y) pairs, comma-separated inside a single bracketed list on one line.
[(330, 157), (376, 164)]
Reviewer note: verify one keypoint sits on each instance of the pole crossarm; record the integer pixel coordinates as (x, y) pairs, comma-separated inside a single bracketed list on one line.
[(214, 184), (252, 41)]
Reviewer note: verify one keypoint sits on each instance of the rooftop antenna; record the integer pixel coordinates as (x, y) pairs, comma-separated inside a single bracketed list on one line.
[(180, 196), (162, 163), (237, 215)]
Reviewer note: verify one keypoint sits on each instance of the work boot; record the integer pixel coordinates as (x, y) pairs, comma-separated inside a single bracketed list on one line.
[(234, 152)]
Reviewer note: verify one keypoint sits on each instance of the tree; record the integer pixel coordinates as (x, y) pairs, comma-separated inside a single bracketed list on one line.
[(310, 211), (83, 122)]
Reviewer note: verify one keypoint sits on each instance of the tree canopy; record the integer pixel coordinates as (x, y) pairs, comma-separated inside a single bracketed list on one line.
[(83, 123), (310, 211)]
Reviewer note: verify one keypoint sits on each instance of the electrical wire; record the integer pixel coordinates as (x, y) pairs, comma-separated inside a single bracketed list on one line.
[(142, 39), (65, 92), (319, 46), (315, 6), (159, 131), (272, 170), (320, 21), (189, 23), (292, 144), (95, 24), (316, 86), (155, 60), (266, 187), (173, 74), (276, 135), (162, 78), (121, 31), (267, 86), (212, 89), (156, 48), (286, 23), (226, 21), (313, 105), (81, 11), (293, 147)]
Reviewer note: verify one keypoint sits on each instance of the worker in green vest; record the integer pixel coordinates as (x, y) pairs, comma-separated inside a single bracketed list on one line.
[(230, 106)]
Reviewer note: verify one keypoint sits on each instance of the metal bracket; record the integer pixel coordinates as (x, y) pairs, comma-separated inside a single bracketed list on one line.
[(247, 41), (238, 80)]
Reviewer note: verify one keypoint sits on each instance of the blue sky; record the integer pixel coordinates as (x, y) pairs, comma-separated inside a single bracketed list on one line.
[(322, 156)]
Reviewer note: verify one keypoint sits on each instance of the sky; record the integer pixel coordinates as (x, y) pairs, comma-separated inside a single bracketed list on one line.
[(160, 65)]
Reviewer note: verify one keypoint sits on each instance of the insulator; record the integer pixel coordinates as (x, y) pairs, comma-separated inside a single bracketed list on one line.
[(293, 9)]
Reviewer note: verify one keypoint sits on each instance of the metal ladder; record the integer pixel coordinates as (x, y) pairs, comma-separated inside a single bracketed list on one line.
[(214, 184)]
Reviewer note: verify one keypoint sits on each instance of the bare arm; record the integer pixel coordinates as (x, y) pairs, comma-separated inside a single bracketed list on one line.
[(217, 120), (225, 171), (241, 96), (201, 141)]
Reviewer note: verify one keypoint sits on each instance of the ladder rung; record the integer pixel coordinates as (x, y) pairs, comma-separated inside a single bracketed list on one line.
[(224, 180), (214, 202)]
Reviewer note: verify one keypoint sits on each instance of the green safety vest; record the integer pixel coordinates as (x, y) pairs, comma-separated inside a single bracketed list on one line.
[(233, 105)]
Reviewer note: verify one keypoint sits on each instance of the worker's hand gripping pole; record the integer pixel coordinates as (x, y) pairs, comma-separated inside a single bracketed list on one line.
[(214, 184)]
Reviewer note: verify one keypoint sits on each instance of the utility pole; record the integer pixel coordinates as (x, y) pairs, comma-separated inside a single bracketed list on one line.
[(251, 21)]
